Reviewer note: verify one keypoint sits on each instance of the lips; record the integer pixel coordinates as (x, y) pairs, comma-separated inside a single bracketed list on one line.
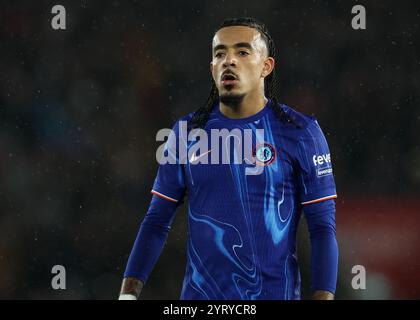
[(229, 77)]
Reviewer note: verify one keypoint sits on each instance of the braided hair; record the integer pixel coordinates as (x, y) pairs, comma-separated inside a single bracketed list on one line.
[(271, 87)]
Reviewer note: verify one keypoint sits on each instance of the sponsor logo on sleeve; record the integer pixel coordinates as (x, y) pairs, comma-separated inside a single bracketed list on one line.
[(323, 172), (324, 161)]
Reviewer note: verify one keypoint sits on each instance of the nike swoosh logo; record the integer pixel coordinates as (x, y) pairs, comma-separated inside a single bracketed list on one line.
[(194, 157)]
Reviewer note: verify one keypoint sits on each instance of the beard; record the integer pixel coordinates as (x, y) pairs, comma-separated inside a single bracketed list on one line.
[(232, 100)]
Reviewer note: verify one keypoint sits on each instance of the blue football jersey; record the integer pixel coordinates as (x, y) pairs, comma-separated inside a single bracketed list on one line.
[(241, 225)]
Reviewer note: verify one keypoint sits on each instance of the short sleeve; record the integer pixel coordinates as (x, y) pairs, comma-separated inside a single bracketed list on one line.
[(315, 172), (169, 182)]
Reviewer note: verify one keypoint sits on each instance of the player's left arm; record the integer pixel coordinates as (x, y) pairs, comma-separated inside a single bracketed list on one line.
[(317, 194), (320, 218)]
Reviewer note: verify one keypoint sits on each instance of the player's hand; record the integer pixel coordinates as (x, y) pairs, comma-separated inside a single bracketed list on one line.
[(130, 289), (322, 295)]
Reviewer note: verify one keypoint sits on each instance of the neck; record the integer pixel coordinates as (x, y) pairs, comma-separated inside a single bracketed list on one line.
[(250, 105)]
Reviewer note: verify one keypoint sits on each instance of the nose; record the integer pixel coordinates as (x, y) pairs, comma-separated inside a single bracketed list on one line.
[(230, 60)]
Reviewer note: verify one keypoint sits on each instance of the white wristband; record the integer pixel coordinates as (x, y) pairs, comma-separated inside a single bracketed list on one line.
[(127, 297)]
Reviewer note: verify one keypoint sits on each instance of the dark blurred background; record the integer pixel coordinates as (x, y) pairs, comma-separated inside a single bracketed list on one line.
[(80, 108)]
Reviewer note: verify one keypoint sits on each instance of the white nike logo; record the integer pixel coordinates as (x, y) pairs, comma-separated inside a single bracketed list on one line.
[(194, 157)]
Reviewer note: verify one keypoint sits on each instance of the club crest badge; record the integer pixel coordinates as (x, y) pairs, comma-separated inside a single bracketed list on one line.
[(264, 154)]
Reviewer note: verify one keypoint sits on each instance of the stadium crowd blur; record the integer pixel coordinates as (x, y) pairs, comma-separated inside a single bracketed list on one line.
[(80, 109)]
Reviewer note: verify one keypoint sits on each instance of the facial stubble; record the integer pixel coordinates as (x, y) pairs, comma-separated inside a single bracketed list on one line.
[(232, 100)]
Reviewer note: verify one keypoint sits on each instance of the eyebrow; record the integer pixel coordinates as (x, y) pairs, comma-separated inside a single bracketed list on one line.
[(236, 45)]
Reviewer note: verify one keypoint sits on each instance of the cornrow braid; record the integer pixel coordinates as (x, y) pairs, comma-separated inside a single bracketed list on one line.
[(271, 86)]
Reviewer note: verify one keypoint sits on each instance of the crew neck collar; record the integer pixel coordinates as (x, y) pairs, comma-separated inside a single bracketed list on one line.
[(252, 118)]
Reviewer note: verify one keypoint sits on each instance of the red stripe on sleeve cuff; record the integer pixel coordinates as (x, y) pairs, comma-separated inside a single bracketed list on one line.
[(163, 196), (320, 199)]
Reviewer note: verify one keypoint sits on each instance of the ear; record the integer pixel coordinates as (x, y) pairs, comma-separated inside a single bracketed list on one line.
[(269, 64)]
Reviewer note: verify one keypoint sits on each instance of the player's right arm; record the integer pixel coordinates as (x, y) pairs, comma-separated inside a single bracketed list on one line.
[(148, 246), (168, 190)]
